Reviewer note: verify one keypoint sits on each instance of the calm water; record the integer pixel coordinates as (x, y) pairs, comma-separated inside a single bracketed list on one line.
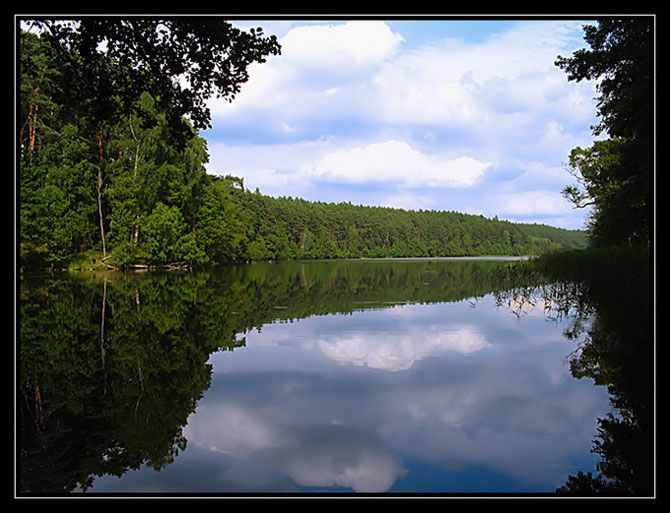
[(431, 376)]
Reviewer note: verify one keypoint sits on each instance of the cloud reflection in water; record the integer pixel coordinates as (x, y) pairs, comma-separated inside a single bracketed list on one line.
[(346, 401), (435, 398)]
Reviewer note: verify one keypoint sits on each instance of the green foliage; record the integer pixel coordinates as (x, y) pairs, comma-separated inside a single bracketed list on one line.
[(219, 228), (102, 172), (294, 228), (619, 212), (163, 229), (614, 175), (150, 55), (620, 57)]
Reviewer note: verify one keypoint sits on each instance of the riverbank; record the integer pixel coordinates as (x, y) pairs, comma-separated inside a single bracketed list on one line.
[(597, 264)]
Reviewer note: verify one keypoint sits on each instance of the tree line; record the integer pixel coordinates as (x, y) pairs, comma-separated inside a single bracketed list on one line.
[(293, 228), (112, 170)]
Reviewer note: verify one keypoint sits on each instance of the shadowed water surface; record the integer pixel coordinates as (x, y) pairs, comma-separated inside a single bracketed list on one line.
[(417, 376)]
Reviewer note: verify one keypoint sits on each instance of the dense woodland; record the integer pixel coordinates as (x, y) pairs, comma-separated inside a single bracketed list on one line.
[(108, 173)]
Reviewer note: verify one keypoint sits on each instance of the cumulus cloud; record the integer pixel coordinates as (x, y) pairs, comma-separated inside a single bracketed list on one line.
[(316, 62), (354, 43), (397, 161), (349, 460), (482, 85), (394, 119), (388, 161), (361, 71)]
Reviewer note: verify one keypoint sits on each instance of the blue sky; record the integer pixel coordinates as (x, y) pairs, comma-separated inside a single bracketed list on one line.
[(464, 115)]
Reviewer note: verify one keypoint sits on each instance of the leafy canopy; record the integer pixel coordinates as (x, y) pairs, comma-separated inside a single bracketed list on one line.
[(614, 175), (179, 61)]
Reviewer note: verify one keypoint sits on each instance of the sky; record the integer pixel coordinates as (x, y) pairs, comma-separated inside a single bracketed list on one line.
[(469, 115)]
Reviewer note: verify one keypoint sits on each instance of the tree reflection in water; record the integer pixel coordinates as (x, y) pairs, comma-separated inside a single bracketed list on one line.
[(608, 302), (110, 368)]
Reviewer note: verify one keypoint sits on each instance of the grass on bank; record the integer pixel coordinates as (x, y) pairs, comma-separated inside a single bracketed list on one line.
[(607, 266)]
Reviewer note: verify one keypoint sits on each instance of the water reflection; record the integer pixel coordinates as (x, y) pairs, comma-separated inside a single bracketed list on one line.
[(440, 400), (361, 376), (399, 351)]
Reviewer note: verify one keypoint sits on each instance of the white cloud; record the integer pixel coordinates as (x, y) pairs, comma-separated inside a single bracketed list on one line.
[(245, 430), (355, 43), (316, 61), (276, 169), (357, 70), (264, 438), (539, 175), (289, 168), (473, 84), (392, 120), (533, 203), (346, 464), (397, 161)]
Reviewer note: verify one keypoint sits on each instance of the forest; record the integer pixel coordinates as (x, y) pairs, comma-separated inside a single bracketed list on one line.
[(112, 170)]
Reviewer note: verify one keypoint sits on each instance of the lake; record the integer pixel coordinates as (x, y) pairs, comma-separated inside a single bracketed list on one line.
[(393, 377)]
